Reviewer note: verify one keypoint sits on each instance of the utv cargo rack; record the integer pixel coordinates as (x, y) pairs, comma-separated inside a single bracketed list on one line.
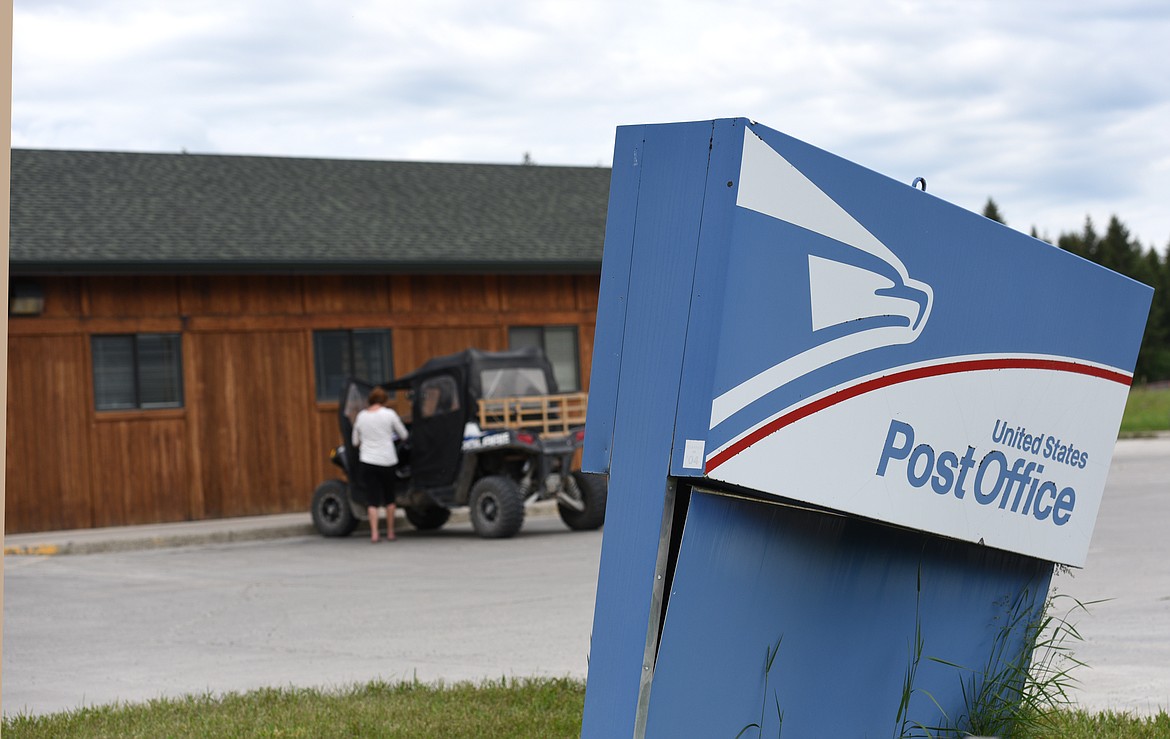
[(559, 413)]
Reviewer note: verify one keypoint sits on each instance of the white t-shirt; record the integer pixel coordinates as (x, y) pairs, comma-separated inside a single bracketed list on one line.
[(374, 433)]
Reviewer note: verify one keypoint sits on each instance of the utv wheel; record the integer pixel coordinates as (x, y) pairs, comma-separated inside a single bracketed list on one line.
[(427, 518), (497, 507), (593, 489), (332, 515)]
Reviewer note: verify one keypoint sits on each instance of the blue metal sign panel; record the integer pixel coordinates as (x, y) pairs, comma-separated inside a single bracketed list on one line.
[(872, 349), (796, 620)]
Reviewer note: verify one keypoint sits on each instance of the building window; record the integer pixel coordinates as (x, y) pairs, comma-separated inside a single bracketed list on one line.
[(361, 353), (559, 344), (137, 371)]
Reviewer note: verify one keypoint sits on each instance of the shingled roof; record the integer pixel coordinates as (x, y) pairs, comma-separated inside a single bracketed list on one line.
[(79, 212)]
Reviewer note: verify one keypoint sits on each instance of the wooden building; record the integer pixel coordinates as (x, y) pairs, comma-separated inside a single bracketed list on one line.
[(179, 324)]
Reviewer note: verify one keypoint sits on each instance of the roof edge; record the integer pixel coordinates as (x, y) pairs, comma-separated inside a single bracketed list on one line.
[(28, 268)]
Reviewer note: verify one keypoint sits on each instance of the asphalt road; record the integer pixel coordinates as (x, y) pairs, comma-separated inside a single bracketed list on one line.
[(306, 611), (1127, 637)]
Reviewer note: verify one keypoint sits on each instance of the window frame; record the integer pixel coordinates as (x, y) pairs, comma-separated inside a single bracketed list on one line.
[(174, 370), (542, 332), (349, 361)]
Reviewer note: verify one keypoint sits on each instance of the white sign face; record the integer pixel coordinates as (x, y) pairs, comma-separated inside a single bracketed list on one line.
[(939, 453), (882, 353)]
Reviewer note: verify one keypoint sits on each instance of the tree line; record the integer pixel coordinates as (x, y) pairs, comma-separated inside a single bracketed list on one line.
[(1119, 251)]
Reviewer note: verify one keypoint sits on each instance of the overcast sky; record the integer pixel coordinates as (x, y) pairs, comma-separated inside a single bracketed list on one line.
[(1057, 109)]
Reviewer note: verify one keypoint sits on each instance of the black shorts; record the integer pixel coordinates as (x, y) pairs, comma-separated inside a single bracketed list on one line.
[(379, 484)]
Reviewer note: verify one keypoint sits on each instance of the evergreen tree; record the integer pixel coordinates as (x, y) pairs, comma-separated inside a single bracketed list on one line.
[(1119, 251), (1085, 244), (1156, 342), (1154, 356), (991, 210)]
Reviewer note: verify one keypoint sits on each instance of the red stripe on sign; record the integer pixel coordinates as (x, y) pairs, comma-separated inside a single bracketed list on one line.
[(918, 373)]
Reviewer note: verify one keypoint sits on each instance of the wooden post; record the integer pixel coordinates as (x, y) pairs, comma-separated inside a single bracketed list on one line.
[(5, 191)]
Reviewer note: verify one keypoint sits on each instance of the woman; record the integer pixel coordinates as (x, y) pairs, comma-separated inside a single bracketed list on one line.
[(374, 431)]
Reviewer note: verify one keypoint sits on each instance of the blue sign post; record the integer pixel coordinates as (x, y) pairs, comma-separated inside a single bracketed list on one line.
[(849, 428)]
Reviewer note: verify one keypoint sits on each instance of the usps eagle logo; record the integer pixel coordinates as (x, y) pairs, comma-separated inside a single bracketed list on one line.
[(861, 297)]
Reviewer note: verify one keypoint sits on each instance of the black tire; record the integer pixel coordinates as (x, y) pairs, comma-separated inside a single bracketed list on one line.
[(428, 518), (594, 489), (332, 515), (497, 507)]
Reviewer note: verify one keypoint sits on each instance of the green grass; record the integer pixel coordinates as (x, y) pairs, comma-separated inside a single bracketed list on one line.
[(1109, 725), (505, 708), (1146, 410)]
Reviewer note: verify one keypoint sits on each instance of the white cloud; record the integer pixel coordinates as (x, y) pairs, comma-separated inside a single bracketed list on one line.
[(1052, 109)]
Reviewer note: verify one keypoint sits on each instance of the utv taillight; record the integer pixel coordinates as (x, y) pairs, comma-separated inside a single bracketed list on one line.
[(579, 436), (525, 438)]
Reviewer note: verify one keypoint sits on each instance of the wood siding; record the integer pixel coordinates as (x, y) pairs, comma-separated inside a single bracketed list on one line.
[(251, 437)]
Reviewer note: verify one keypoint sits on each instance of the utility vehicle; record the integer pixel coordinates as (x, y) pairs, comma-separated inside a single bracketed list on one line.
[(489, 431)]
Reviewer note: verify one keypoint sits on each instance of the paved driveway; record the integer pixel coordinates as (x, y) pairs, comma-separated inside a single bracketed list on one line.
[(1127, 638), (91, 629)]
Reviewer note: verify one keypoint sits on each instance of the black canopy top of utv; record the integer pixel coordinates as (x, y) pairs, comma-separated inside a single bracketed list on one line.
[(473, 365)]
